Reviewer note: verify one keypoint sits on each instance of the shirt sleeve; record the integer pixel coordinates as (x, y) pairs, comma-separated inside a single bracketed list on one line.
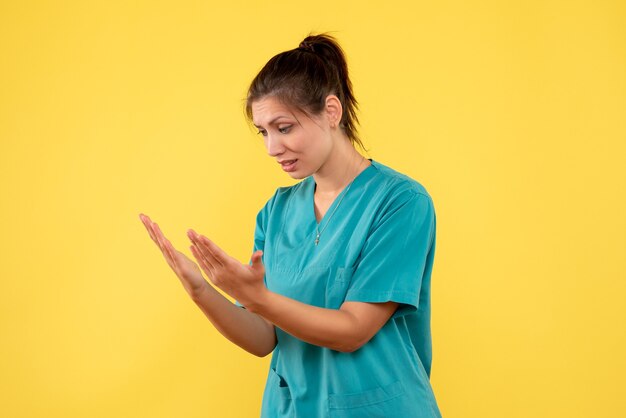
[(397, 254), (259, 233)]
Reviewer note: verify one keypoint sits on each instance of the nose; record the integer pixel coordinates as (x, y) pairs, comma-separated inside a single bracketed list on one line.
[(274, 145)]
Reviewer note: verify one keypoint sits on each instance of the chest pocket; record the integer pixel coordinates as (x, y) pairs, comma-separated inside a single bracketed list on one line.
[(318, 286), (338, 286), (308, 286)]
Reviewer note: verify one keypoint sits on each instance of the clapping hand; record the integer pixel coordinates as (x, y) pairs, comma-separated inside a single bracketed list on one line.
[(186, 270), (243, 282)]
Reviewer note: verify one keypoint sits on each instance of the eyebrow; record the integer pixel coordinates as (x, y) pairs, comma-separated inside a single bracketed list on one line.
[(272, 121)]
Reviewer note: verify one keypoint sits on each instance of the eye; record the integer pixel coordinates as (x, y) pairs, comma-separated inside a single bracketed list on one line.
[(262, 132), (284, 129)]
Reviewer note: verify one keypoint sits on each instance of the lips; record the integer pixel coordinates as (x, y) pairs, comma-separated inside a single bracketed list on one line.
[(288, 165), (287, 162)]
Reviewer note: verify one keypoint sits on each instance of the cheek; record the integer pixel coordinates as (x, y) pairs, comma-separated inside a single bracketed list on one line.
[(314, 141), (324, 146), (301, 143)]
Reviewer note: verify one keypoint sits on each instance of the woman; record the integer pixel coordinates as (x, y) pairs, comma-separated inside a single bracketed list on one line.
[(338, 285)]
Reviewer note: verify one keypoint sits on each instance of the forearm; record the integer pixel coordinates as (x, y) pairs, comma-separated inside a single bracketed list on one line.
[(244, 328), (332, 328)]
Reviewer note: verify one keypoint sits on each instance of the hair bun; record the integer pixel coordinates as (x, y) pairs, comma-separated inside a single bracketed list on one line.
[(306, 45)]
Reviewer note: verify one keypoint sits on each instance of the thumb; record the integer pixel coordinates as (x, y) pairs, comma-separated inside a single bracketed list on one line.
[(256, 259)]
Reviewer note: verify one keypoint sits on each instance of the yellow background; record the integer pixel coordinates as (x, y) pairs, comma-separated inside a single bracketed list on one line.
[(511, 114)]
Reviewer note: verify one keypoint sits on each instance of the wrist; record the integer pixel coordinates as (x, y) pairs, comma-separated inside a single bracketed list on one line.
[(199, 291), (259, 302)]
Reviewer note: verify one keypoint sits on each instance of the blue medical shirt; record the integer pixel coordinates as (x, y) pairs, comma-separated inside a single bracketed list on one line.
[(378, 246)]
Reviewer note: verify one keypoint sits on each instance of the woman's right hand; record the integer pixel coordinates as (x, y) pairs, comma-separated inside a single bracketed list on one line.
[(187, 271)]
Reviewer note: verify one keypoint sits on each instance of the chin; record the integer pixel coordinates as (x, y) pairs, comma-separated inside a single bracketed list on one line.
[(297, 176)]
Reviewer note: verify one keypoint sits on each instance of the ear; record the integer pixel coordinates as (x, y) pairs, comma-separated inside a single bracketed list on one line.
[(334, 110)]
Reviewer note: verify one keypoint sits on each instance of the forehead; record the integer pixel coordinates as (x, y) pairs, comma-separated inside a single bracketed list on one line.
[(267, 109)]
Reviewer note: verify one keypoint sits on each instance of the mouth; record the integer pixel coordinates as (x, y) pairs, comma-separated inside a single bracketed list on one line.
[(288, 165)]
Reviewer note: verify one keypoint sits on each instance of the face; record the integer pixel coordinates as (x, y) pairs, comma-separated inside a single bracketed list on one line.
[(299, 142)]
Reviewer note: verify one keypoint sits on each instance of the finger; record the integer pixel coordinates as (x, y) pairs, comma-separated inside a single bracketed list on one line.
[(147, 223), (159, 235), (256, 262), (150, 227), (207, 267), (218, 254), (207, 258), (171, 252), (162, 242), (168, 251), (198, 253), (210, 261), (166, 247), (205, 250), (256, 257)]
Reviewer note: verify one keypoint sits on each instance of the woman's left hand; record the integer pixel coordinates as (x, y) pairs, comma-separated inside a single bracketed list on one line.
[(241, 281)]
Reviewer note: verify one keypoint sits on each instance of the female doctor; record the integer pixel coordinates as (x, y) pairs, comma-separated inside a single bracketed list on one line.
[(338, 284)]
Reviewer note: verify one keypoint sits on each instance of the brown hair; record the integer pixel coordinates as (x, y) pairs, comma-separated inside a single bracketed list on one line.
[(304, 76)]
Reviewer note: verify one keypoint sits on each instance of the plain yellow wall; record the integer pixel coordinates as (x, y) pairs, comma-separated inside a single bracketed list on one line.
[(512, 114)]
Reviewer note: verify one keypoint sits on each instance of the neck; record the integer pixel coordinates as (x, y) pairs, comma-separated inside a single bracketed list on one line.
[(343, 165)]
